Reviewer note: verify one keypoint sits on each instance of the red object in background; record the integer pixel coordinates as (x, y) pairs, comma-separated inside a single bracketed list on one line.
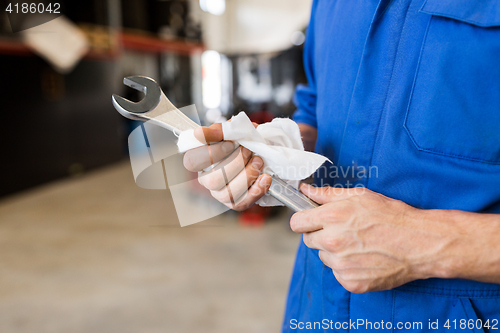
[(254, 216), (261, 117)]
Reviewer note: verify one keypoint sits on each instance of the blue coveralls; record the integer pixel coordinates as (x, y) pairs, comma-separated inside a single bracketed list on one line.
[(409, 90)]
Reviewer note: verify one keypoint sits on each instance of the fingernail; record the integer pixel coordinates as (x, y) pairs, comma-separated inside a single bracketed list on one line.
[(227, 147), (257, 163), (264, 180)]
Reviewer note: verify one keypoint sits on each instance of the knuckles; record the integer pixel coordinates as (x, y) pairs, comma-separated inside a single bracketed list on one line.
[(352, 283), (332, 211), (333, 244), (356, 287)]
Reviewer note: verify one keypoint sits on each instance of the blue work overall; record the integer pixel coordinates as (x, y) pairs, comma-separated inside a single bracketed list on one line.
[(405, 93)]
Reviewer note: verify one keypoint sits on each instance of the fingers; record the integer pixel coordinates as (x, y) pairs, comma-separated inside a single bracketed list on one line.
[(240, 184), (323, 195), (226, 171), (328, 259), (325, 258), (313, 240), (255, 192), (312, 219), (235, 181), (307, 221), (209, 134), (200, 158)]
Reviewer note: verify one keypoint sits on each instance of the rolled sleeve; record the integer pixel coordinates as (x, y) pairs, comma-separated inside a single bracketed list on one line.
[(305, 101)]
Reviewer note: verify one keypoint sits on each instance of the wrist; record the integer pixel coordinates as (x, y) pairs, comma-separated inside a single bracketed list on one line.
[(440, 238), (476, 253), (461, 245)]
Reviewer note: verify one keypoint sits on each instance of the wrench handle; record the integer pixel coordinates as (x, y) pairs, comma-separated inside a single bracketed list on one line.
[(290, 196)]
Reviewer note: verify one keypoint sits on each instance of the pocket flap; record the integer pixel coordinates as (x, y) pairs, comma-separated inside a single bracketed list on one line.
[(483, 13)]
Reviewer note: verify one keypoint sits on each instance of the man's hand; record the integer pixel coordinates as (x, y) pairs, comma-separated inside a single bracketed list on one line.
[(370, 241), (236, 181)]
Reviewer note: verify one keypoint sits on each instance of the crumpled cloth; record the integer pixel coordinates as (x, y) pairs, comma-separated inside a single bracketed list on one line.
[(278, 143)]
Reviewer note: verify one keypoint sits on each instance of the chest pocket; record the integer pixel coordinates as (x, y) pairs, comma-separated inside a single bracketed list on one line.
[(454, 108)]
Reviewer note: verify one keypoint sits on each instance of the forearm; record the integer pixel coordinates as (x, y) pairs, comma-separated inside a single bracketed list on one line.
[(466, 245)]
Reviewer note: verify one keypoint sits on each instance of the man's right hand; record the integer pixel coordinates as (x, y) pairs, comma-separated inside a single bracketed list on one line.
[(237, 181)]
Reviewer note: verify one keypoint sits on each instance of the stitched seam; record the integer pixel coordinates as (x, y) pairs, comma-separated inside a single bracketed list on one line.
[(339, 155), (323, 308), (302, 282), (448, 296), (451, 289), (465, 311), (349, 312), (487, 292), (414, 83), (393, 308), (383, 12), (405, 125), (461, 19), (437, 152), (382, 116)]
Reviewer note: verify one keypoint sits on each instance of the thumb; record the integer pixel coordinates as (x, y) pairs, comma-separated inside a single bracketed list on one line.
[(323, 195)]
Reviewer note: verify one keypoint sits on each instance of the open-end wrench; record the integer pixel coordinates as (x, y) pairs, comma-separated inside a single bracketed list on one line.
[(156, 107)]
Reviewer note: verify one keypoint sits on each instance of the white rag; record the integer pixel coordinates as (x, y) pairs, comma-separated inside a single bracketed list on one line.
[(278, 143)]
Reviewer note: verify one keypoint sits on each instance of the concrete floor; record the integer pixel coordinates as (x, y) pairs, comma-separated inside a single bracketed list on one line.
[(98, 254)]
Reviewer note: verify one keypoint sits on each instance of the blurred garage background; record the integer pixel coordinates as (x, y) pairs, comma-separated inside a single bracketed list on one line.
[(82, 248)]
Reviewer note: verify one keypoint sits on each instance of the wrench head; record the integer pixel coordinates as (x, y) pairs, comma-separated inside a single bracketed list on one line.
[(152, 97)]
